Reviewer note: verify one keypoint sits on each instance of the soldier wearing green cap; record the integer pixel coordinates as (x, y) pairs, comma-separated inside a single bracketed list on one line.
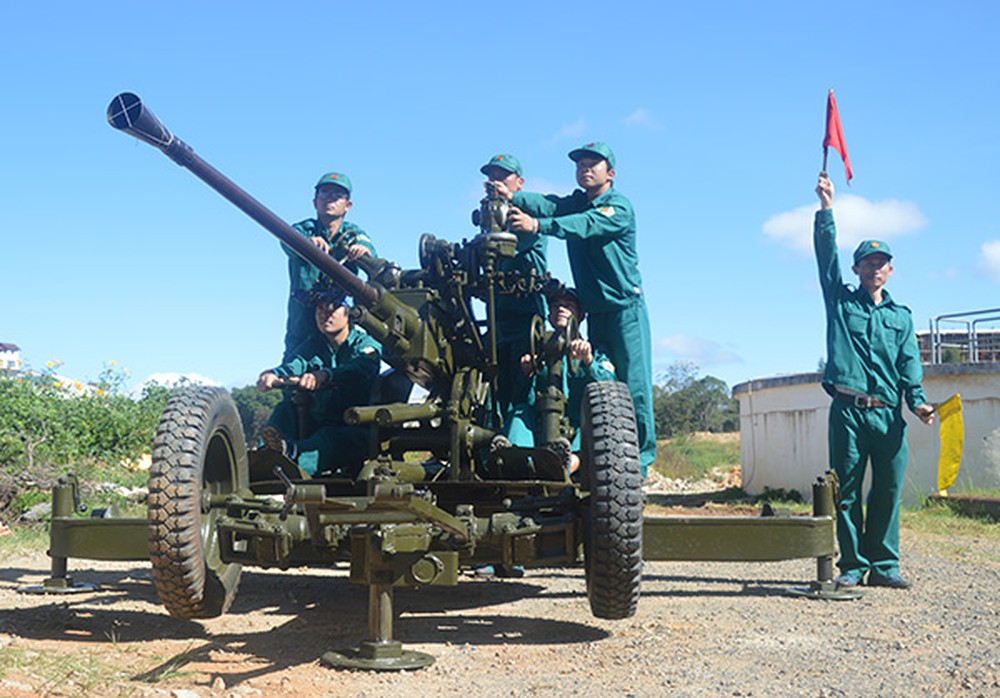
[(514, 313), (338, 366), (582, 365), (872, 367), (331, 233), (598, 225)]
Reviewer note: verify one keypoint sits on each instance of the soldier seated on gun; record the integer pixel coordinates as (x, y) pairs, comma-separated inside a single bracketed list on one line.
[(338, 367), (582, 365)]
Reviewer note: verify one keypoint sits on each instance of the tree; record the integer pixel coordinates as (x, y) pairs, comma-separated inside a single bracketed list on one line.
[(683, 403), (42, 423), (254, 407)]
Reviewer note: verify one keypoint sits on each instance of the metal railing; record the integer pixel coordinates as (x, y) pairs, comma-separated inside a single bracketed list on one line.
[(971, 320)]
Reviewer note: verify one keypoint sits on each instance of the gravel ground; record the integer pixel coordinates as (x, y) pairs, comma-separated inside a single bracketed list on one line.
[(702, 629)]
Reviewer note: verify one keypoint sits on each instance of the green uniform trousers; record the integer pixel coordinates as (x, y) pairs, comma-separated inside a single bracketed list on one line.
[(337, 449), (624, 335), (869, 540)]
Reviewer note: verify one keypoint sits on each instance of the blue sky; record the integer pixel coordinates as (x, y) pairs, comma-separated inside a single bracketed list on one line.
[(715, 111)]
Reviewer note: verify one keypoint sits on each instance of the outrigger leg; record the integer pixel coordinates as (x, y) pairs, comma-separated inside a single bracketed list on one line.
[(65, 500), (824, 588), (381, 652)]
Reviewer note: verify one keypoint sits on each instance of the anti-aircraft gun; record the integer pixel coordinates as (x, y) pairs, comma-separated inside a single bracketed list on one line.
[(441, 488), (400, 522)]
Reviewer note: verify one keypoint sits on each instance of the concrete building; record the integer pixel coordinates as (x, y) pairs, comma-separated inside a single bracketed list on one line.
[(10, 357), (783, 431)]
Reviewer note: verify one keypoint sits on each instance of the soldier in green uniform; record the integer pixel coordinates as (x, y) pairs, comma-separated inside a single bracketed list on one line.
[(590, 365), (514, 313), (872, 367), (598, 225), (332, 234), (338, 367)]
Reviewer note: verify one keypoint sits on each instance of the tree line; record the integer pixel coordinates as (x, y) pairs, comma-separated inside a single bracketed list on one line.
[(44, 423), (683, 403)]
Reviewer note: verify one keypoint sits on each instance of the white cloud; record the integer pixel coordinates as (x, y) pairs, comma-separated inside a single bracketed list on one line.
[(857, 219), (642, 117), (545, 186), (170, 380), (991, 258), (574, 130), (945, 274), (701, 352)]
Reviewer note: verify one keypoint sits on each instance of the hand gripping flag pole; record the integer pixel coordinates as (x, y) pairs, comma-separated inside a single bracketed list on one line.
[(835, 136)]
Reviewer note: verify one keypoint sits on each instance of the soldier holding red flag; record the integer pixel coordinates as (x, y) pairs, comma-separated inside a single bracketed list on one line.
[(872, 368)]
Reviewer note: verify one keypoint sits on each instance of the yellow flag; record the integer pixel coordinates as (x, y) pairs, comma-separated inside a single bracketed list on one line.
[(952, 435)]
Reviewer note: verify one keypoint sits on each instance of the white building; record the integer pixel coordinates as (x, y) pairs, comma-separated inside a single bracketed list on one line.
[(783, 431), (10, 357)]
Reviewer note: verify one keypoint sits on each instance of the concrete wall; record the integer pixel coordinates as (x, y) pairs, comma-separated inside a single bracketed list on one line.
[(783, 427)]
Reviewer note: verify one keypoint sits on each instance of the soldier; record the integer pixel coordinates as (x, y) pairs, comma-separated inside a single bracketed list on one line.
[(332, 234), (598, 226), (564, 304), (873, 365), (514, 314), (338, 367)]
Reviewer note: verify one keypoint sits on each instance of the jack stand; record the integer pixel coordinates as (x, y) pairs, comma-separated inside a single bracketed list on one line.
[(824, 588), (381, 652), (65, 500), (59, 582)]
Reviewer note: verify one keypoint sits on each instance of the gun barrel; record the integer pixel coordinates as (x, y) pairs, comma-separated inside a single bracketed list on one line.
[(128, 113)]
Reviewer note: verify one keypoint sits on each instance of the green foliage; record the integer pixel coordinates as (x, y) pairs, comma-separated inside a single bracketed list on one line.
[(966, 535), (688, 458), (951, 355), (779, 495), (46, 426), (254, 407), (683, 403)]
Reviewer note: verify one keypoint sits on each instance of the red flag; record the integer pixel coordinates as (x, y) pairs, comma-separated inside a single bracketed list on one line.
[(835, 135)]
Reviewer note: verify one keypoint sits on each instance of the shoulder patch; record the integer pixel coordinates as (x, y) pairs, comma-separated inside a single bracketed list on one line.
[(367, 350), (608, 211)]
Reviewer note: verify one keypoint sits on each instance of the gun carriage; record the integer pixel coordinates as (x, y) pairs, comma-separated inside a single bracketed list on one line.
[(441, 489)]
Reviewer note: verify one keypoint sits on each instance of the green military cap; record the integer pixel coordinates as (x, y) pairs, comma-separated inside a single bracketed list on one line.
[(337, 178), (870, 247), (598, 149), (504, 162), (560, 292)]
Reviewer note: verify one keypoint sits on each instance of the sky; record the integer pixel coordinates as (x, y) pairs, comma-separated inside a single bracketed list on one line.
[(715, 110)]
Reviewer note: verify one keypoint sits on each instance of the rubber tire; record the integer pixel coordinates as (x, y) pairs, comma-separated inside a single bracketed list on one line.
[(199, 449), (613, 511)]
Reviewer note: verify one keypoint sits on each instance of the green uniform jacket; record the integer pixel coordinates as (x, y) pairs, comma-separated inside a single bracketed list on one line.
[(301, 323), (600, 240), (351, 369), (870, 348)]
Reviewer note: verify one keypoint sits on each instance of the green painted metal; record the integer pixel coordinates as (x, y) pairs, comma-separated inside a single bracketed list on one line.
[(99, 539), (736, 539)]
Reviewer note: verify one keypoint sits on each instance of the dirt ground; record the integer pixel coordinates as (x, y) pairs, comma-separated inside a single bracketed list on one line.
[(702, 629)]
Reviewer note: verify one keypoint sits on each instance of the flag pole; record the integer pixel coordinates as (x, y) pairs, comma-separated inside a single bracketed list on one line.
[(826, 148)]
